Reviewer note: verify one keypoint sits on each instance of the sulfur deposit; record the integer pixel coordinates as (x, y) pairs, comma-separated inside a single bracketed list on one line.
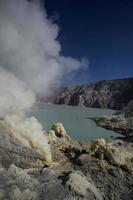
[(82, 170), (30, 133)]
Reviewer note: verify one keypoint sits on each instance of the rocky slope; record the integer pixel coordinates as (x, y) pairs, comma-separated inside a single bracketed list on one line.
[(121, 122), (113, 94), (97, 170)]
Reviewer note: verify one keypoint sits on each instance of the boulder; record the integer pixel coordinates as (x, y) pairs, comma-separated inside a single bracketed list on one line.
[(78, 183), (118, 155), (59, 131)]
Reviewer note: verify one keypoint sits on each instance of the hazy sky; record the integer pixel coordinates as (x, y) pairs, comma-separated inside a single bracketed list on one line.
[(101, 30)]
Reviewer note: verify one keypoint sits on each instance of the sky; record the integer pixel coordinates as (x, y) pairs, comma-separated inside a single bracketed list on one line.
[(101, 31)]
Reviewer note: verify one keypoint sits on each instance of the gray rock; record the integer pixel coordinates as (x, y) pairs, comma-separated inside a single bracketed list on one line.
[(113, 94), (80, 177), (59, 130), (81, 186), (121, 122), (12, 151)]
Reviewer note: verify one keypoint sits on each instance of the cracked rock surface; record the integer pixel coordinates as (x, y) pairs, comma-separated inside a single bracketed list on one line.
[(81, 170)]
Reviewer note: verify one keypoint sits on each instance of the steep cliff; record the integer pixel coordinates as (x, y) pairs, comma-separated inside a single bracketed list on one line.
[(113, 94)]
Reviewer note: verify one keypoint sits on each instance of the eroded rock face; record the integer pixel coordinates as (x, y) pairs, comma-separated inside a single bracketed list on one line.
[(128, 110), (113, 94)]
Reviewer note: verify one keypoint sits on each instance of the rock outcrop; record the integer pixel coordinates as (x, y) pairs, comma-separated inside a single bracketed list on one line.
[(112, 94), (57, 135), (59, 130), (121, 122)]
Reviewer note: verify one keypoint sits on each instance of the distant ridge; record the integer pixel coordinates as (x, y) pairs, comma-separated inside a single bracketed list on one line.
[(112, 94)]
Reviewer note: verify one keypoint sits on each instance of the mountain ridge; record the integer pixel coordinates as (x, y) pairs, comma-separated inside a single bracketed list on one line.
[(111, 94)]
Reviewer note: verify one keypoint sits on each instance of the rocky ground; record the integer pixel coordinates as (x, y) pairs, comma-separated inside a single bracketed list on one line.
[(121, 122), (81, 170)]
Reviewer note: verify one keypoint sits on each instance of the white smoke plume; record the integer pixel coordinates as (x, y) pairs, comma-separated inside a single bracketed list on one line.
[(14, 97), (29, 47), (30, 63), (14, 102)]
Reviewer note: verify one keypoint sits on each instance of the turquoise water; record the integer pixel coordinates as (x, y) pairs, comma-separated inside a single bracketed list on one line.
[(75, 120)]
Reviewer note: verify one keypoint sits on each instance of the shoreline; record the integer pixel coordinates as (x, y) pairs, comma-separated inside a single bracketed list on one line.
[(74, 119)]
